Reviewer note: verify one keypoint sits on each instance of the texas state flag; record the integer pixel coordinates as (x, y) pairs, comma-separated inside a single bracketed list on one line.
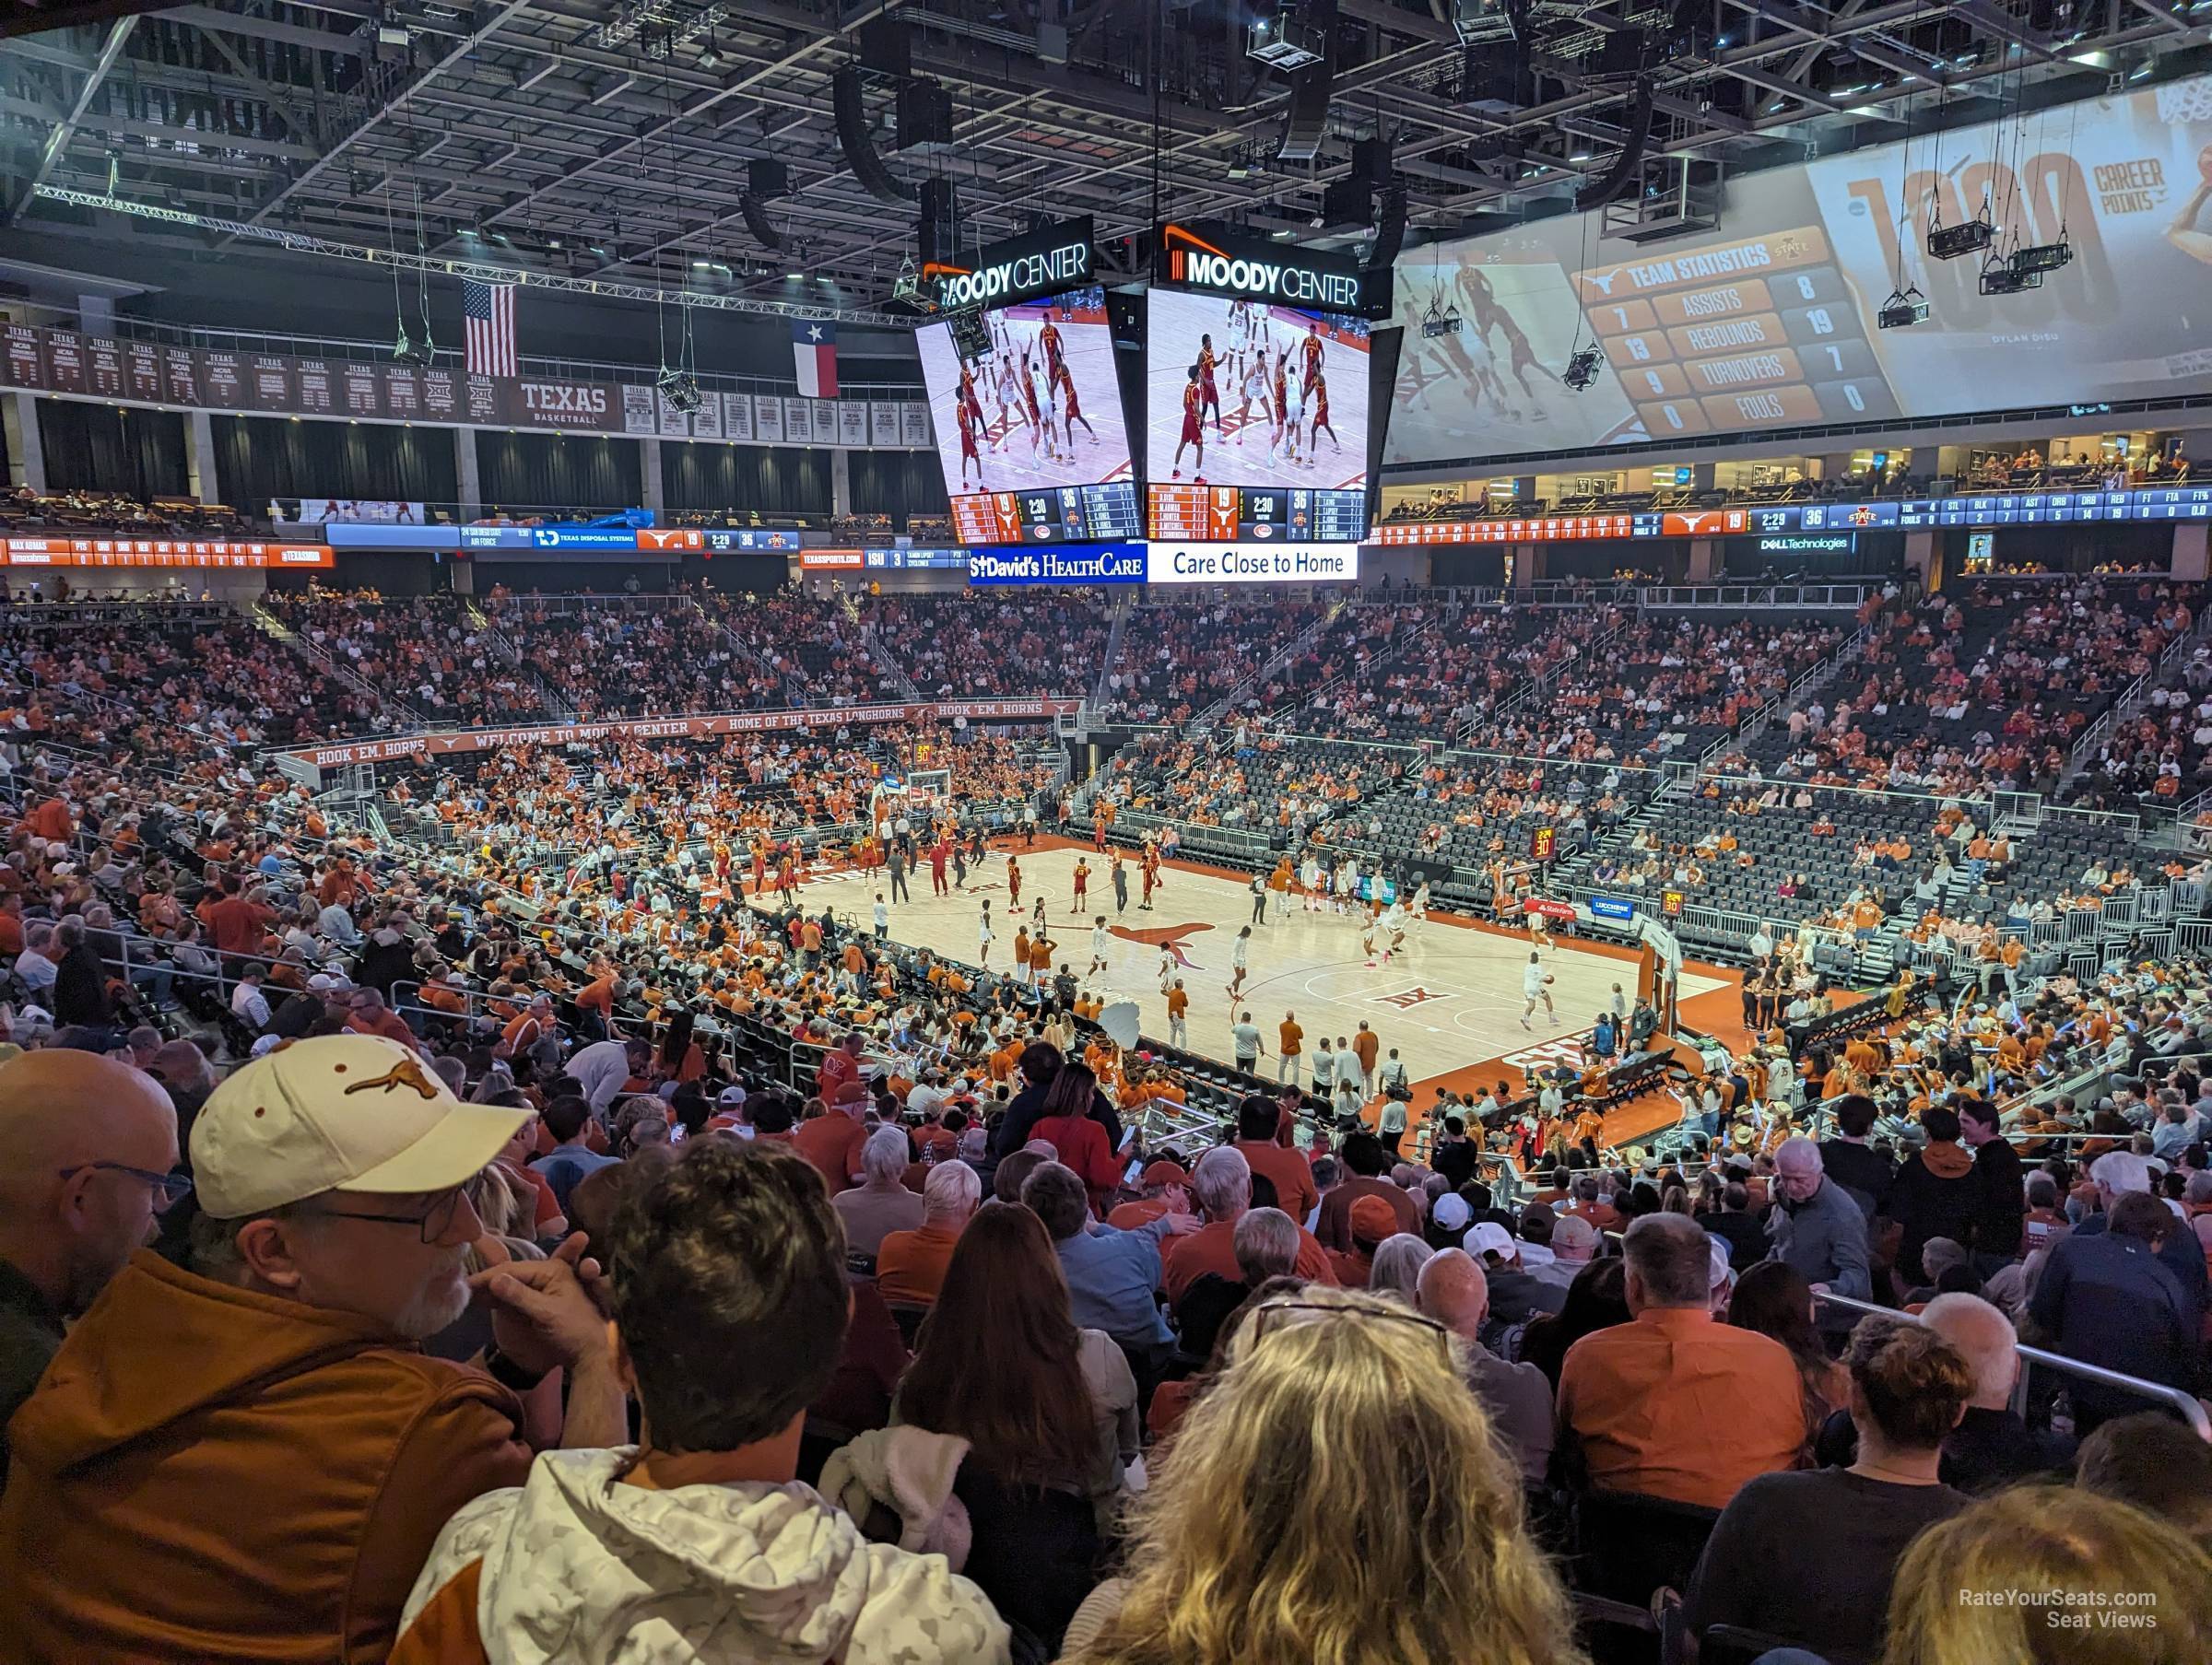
[(814, 349)]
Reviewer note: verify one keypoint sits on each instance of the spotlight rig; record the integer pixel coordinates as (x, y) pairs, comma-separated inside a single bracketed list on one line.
[(680, 388), (1439, 320), (2004, 278), (2043, 257), (1954, 242), (1904, 309), (1582, 370), (406, 351)]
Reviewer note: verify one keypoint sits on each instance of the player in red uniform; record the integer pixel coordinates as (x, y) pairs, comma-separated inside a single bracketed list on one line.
[(1321, 417), (1191, 432), (1049, 339), (1309, 354), (967, 453), (1072, 411), (1209, 394)]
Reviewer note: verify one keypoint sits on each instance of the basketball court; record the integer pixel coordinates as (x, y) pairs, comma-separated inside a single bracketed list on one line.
[(1451, 999)]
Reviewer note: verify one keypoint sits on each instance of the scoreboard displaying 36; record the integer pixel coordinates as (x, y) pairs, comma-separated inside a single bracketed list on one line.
[(1735, 335)]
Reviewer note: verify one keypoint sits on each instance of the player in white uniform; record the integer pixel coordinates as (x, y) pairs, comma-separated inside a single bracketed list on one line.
[(1390, 931), (1347, 883), (1534, 981), (1048, 407), (1097, 946), (1309, 882), (983, 937), (1251, 389), (1167, 968), (1239, 951), (1240, 338)]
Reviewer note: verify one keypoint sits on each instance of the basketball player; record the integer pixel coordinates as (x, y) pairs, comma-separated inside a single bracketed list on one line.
[(1240, 953), (1251, 388), (1006, 391), (1321, 419), (1522, 358), (1167, 968), (983, 937), (1071, 412), (967, 451), (1288, 409), (1309, 883), (1047, 338), (1310, 353), (1097, 946), (1209, 394), (1534, 987), (1192, 433), (1240, 339)]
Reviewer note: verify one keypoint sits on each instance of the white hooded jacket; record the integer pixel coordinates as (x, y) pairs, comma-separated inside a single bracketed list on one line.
[(580, 1569)]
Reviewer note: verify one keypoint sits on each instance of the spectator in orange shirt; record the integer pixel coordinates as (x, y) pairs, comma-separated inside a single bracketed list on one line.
[(1286, 1063), (1673, 1405), (1286, 1170), (1164, 1189), (909, 1265), (1222, 1187), (832, 1141), (369, 1015)]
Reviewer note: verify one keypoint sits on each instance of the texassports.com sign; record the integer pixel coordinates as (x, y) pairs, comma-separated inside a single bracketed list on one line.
[(452, 742)]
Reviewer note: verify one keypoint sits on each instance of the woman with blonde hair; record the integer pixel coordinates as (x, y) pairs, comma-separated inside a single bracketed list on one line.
[(1337, 1457), (2109, 1585)]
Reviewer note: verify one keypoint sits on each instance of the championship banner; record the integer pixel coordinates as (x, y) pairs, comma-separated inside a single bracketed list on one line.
[(447, 743), (97, 367)]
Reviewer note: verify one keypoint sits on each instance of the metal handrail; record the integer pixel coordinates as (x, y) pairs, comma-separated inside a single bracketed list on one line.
[(2191, 1409)]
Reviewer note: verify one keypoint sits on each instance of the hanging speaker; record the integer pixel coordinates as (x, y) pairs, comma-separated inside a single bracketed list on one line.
[(853, 140), (1313, 85), (1390, 228), (938, 228), (758, 224), (1623, 172)]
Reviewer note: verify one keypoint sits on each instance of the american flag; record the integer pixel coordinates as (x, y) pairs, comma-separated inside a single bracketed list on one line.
[(490, 310)]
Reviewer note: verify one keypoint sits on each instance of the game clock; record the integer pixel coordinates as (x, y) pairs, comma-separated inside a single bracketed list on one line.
[(1231, 514), (1051, 514)]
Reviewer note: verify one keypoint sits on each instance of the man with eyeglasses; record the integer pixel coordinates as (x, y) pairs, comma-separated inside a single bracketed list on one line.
[(252, 1458), (91, 1144)]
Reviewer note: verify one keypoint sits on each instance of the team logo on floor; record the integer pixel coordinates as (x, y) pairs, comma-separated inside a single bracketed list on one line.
[(1404, 1000), (1566, 1049), (1170, 937)]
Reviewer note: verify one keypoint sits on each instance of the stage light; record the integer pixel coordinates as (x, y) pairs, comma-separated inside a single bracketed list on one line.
[(1582, 370), (1998, 277), (1904, 309), (2043, 257), (1968, 237)]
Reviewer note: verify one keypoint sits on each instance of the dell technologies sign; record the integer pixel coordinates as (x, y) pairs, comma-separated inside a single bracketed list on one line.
[(1311, 280), (1043, 262), (1058, 564)]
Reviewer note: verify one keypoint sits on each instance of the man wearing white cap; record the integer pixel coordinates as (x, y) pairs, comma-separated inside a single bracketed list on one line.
[(253, 1456)]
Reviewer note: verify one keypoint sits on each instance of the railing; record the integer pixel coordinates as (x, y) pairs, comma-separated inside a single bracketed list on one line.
[(2036, 1358), (1795, 598), (1282, 656), (410, 719)]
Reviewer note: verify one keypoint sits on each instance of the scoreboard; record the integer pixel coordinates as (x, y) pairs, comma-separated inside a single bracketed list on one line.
[(2169, 503), (1048, 514), (1728, 336), (1233, 514)]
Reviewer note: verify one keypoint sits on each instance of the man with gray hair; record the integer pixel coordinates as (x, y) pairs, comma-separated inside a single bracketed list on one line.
[(1817, 1230), (1266, 1240), (880, 1203), (1453, 1291), (1673, 1405), (909, 1265), (1991, 1446), (2118, 1174), (1221, 1185)]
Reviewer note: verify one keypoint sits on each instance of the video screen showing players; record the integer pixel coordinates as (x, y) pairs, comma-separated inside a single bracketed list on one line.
[(1033, 403), (1251, 394)]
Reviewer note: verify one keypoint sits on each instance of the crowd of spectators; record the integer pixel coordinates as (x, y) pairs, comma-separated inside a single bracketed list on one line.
[(728, 1282), (666, 656), (985, 643), (1178, 659), (423, 651)]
